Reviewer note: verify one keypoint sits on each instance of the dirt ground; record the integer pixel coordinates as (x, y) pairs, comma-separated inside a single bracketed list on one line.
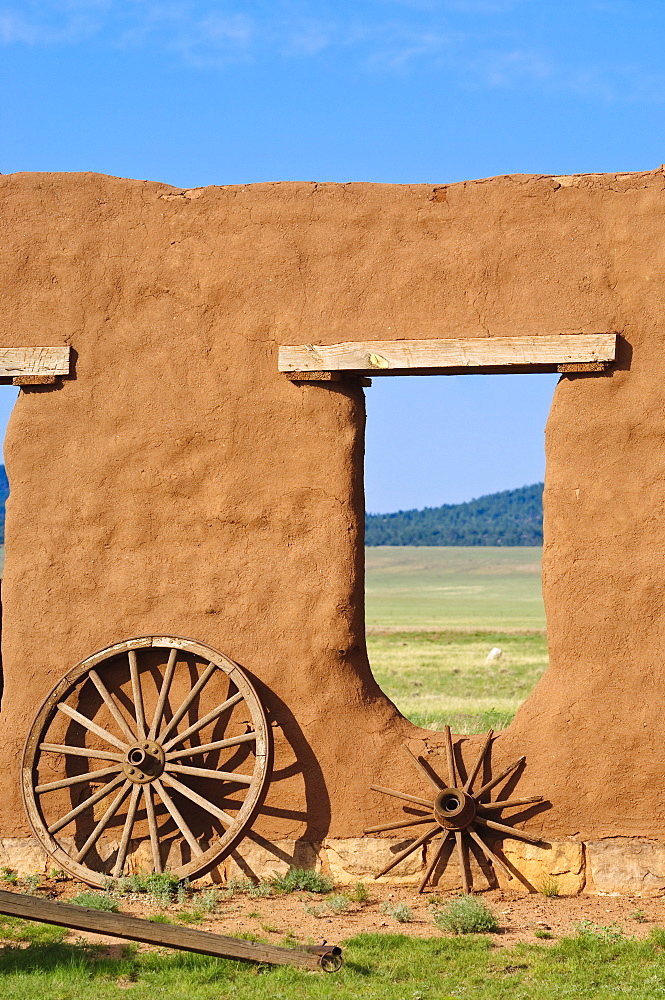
[(304, 917)]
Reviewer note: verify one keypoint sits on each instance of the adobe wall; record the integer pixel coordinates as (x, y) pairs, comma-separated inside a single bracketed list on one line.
[(179, 484)]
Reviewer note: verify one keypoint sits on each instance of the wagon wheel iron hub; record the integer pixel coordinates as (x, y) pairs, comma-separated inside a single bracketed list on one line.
[(144, 762), (455, 812), (152, 749), (454, 809)]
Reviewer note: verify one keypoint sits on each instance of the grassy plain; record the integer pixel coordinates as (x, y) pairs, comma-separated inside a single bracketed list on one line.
[(433, 615), (420, 588)]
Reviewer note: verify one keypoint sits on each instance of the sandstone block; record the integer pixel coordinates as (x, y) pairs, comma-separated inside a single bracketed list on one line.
[(622, 865), (252, 860), (535, 863), (24, 855), (362, 857)]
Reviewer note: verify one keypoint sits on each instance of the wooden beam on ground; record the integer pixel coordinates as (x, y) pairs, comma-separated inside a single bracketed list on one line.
[(82, 918), (34, 365), (566, 352)]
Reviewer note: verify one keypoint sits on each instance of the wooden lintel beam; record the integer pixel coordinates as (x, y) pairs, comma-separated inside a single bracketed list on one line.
[(34, 365), (566, 352)]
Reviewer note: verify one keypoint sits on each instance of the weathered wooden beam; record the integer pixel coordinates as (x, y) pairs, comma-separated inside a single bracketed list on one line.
[(81, 918), (19, 362), (586, 352)]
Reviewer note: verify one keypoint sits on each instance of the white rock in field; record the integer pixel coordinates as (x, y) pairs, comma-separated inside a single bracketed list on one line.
[(495, 653)]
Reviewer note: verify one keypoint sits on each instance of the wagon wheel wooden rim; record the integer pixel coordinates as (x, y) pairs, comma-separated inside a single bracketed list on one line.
[(164, 744)]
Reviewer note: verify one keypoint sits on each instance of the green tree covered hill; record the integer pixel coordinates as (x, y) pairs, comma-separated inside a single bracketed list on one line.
[(513, 517)]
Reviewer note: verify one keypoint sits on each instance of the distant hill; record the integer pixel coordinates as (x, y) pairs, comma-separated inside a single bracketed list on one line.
[(513, 517)]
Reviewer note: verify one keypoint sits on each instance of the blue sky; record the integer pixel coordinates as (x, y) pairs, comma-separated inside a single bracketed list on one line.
[(196, 92)]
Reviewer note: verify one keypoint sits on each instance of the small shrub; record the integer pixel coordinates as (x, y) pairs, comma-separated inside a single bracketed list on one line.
[(338, 903), (260, 890), (32, 882), (190, 917), (160, 918), (466, 915), (9, 875), (549, 887), (640, 917), (57, 874), (236, 886), (208, 900), (544, 935), (334, 904), (299, 879), (162, 886), (245, 887), (608, 934), (183, 891), (400, 912), (95, 901), (360, 893)]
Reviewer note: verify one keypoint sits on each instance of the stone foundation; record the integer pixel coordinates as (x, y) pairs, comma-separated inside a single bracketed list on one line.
[(614, 866)]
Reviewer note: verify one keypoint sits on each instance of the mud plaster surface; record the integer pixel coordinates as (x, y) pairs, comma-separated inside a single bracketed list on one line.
[(178, 484)]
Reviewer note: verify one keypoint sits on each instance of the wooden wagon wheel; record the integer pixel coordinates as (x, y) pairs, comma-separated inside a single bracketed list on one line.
[(152, 753), (455, 812)]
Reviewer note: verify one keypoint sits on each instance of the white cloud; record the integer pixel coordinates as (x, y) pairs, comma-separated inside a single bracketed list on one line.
[(475, 42)]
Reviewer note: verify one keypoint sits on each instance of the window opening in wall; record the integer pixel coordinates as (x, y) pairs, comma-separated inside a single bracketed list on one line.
[(453, 484)]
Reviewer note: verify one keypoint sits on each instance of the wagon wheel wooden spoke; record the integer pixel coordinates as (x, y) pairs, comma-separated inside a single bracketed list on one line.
[(206, 720), (459, 844), (473, 773), (133, 686), (209, 747), (77, 779), (62, 748), (489, 853), (199, 800), (409, 850), (119, 866), (457, 813), (112, 707), (206, 772), (179, 821), (103, 823), (153, 829), (137, 694), (92, 726), (86, 804), (401, 824), (202, 681), (429, 871), (163, 694)]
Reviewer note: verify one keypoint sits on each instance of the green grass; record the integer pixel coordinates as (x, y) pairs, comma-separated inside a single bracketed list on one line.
[(433, 614), (436, 678), (377, 967), (423, 588)]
